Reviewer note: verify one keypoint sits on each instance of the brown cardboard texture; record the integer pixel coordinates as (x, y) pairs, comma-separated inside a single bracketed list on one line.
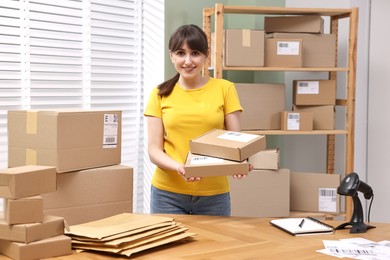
[(23, 211), (323, 116), (262, 104), (319, 50), (294, 23), (283, 53), (314, 192), (262, 193), (67, 140), (265, 160), (82, 214), (50, 247), (205, 166), (244, 47), (314, 92), (297, 121), (26, 181), (26, 233), (90, 187), (229, 145)]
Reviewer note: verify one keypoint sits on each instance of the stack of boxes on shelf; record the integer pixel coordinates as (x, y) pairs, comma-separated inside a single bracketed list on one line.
[(84, 147), (25, 231), (294, 41)]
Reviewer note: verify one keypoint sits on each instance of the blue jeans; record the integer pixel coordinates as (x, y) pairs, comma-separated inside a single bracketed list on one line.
[(174, 203)]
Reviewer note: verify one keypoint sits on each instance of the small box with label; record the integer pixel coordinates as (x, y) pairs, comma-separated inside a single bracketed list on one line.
[(205, 166), (283, 53), (229, 145), (314, 92), (297, 121)]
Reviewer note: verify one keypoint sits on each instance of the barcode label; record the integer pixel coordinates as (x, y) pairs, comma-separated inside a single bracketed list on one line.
[(327, 199), (293, 121), (287, 48), (308, 87), (237, 136), (351, 251), (293, 116), (110, 131), (205, 160)]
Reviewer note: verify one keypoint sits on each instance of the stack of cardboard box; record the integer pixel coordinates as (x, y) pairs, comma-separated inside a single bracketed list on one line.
[(84, 147), (25, 232)]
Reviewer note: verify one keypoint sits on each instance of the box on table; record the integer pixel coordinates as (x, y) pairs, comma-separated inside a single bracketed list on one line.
[(283, 53), (91, 186), (298, 121), (265, 160), (25, 233), (294, 24), (67, 140), (262, 193), (314, 92), (323, 116), (23, 211), (49, 247), (244, 47), (314, 192), (27, 181), (82, 214), (262, 104), (205, 166), (228, 145), (319, 50)]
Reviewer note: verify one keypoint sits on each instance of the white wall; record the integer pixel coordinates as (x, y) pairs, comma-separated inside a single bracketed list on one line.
[(378, 109), (316, 160)]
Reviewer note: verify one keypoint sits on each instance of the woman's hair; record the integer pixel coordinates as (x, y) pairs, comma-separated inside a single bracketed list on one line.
[(195, 39)]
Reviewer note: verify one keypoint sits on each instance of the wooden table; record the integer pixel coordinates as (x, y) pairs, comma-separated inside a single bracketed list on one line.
[(227, 238)]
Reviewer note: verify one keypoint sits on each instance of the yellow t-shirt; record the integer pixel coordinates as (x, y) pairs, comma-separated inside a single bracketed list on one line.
[(187, 114)]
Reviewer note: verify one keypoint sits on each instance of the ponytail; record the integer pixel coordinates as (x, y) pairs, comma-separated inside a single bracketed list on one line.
[(165, 88)]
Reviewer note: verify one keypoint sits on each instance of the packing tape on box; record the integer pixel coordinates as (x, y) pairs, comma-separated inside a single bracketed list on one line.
[(246, 38), (31, 122), (31, 157)]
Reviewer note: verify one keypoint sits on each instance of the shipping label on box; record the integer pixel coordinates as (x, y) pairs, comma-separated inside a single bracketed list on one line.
[(263, 193), (69, 140), (26, 181), (206, 166), (283, 53), (314, 92), (297, 121), (314, 192), (229, 145)]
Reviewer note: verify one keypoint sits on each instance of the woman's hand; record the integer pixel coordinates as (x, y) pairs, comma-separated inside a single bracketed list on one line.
[(181, 171), (241, 176)]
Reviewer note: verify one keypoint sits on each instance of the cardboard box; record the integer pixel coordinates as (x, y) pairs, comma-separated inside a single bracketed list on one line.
[(283, 53), (205, 166), (297, 121), (229, 145), (27, 181), (261, 194), (67, 140), (262, 104), (50, 247), (244, 48), (294, 24), (323, 116), (314, 92), (83, 214), (25, 233), (314, 192), (265, 160), (319, 50), (90, 187), (23, 211)]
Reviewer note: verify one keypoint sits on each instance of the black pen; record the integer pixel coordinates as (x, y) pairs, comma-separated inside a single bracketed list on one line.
[(302, 222)]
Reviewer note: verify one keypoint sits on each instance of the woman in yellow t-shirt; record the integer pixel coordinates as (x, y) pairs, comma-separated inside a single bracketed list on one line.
[(183, 108)]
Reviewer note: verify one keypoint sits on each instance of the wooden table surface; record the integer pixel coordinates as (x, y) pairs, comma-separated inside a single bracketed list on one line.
[(226, 238)]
